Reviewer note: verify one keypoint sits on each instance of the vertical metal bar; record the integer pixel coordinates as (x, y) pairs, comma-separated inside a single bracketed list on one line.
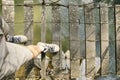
[(104, 39), (112, 41), (74, 39), (98, 40), (28, 17), (56, 28), (43, 22), (8, 14), (117, 12), (82, 43), (43, 37), (90, 39)]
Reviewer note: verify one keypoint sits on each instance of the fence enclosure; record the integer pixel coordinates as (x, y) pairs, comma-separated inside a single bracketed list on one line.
[(90, 32)]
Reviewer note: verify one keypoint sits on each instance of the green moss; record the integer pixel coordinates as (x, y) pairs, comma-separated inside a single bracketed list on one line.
[(37, 32), (18, 1), (65, 44)]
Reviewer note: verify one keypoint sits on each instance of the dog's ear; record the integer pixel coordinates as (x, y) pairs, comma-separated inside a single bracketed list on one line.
[(67, 54), (62, 54), (63, 61)]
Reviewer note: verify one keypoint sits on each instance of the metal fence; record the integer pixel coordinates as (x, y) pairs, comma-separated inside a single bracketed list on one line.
[(90, 32)]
